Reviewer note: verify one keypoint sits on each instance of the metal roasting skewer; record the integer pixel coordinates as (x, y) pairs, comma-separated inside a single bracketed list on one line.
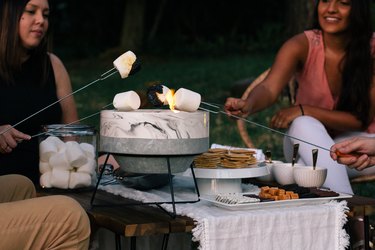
[(134, 69), (102, 77), (219, 110), (65, 125)]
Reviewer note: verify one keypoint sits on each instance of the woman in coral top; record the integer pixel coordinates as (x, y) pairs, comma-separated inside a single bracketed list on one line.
[(333, 64)]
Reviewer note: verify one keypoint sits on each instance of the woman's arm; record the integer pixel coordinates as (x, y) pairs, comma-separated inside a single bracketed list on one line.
[(290, 57), (64, 88)]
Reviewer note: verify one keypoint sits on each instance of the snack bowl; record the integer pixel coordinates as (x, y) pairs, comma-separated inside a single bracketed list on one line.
[(283, 173), (269, 177), (307, 176)]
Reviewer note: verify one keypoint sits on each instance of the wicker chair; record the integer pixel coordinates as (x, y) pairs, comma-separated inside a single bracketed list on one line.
[(242, 129)]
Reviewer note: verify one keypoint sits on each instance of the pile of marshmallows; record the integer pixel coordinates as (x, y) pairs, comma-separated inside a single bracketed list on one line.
[(66, 165)]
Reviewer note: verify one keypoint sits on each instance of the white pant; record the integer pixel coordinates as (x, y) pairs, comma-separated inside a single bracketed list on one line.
[(311, 130)]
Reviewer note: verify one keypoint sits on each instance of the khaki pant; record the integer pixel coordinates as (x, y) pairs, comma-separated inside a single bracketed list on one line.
[(53, 222)]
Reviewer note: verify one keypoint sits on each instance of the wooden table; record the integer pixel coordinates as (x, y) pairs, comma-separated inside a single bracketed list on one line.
[(111, 212)]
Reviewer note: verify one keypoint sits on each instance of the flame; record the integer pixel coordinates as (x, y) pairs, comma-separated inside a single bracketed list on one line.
[(169, 96)]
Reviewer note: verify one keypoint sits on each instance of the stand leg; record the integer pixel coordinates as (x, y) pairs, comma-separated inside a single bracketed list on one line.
[(100, 177), (118, 241), (165, 242), (158, 204), (133, 243), (195, 180)]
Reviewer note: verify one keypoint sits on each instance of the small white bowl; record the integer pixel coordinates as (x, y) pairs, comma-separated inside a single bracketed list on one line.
[(306, 176), (283, 173), (269, 177)]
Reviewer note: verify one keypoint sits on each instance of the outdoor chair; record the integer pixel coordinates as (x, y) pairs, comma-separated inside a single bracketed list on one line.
[(291, 89)]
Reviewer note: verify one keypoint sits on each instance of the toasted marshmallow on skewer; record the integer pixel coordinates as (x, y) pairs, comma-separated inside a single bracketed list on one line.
[(162, 95), (124, 63), (187, 100), (156, 94), (127, 101)]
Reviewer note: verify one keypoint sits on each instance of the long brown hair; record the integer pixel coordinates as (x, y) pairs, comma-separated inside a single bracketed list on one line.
[(11, 48), (357, 70)]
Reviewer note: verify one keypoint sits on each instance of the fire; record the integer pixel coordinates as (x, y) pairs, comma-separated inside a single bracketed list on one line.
[(169, 96)]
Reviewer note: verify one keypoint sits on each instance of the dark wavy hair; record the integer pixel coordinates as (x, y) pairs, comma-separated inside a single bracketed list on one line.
[(11, 48), (357, 70)]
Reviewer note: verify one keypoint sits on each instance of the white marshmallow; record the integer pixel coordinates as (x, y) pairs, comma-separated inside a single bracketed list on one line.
[(89, 149), (44, 167), (59, 160), (46, 149), (45, 180), (60, 178), (75, 155), (187, 100), (124, 63), (78, 180), (127, 101), (58, 142), (89, 167)]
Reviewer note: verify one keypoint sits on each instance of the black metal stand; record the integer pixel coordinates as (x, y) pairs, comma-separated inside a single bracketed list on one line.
[(158, 204)]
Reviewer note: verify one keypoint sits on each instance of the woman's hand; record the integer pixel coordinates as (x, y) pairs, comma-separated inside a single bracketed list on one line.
[(10, 138), (357, 152), (236, 107), (284, 117)]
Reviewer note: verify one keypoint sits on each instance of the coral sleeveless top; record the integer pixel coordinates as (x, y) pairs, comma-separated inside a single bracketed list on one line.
[(17, 102), (313, 88)]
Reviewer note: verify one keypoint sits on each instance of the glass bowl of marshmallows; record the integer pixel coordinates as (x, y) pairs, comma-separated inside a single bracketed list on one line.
[(67, 156)]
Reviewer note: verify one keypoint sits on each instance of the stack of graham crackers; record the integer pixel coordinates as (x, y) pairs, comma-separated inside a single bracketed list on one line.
[(238, 158), (235, 158), (211, 159)]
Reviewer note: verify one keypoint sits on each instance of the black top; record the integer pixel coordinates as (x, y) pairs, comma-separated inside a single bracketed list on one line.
[(20, 100)]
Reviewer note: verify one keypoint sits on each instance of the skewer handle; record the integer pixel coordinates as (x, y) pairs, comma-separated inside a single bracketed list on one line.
[(339, 154)]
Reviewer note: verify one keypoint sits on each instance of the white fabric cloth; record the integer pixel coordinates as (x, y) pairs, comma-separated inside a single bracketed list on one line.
[(302, 227)]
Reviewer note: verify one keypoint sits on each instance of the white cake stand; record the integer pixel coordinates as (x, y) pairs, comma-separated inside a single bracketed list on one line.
[(225, 180)]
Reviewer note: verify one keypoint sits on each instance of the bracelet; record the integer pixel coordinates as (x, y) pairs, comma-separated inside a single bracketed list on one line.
[(301, 108)]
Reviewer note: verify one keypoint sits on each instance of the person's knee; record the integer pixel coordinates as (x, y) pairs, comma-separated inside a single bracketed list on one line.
[(304, 123), (71, 212), (16, 187), (70, 205)]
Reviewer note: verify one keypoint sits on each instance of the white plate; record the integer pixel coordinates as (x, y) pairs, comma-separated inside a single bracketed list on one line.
[(273, 204), (231, 173)]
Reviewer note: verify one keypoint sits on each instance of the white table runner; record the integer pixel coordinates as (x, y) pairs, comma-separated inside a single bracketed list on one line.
[(301, 227)]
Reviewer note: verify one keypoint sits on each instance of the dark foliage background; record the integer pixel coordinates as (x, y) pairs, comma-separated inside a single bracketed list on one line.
[(86, 28)]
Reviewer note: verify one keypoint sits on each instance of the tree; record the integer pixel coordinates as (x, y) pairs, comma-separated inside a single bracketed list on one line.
[(299, 16), (133, 25)]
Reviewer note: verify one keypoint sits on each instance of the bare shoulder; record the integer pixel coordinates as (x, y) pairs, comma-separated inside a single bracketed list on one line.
[(58, 66), (56, 62), (298, 42), (296, 47)]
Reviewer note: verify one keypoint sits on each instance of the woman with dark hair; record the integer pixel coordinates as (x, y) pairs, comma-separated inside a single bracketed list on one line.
[(31, 78), (333, 65)]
